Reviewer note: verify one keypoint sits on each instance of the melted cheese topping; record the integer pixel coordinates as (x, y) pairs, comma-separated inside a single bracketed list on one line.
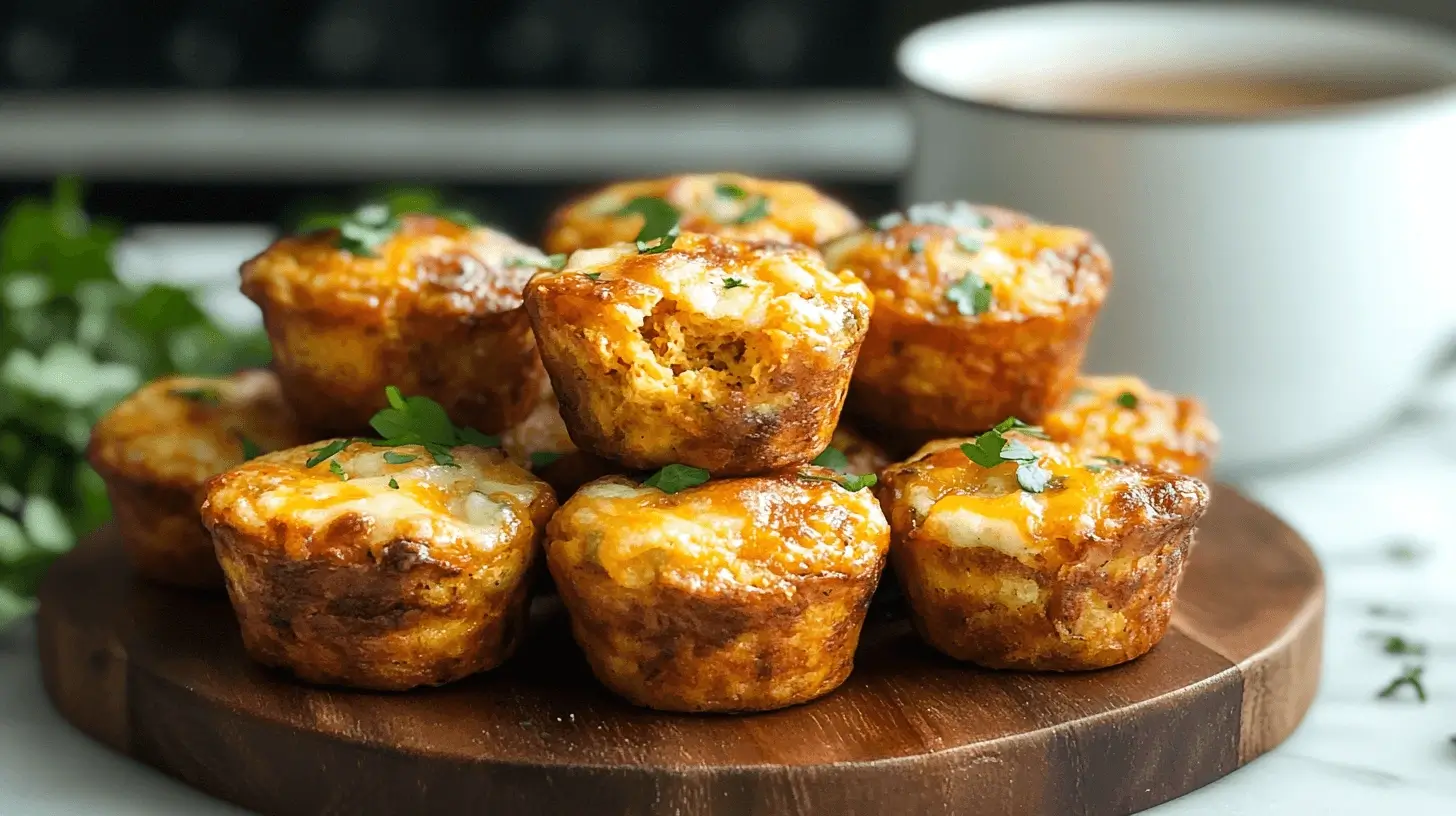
[(430, 265), (946, 497), (1161, 430), (471, 508), (796, 212), (1032, 268), (749, 531), (159, 434)]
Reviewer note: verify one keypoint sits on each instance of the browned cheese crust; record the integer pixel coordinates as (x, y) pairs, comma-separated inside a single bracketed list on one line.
[(437, 313), (347, 580), (784, 211), (930, 367), (657, 359), (1124, 418), (158, 447), (736, 595), (1080, 576)]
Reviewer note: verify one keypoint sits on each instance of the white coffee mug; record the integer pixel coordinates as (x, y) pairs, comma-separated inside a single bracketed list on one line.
[(1296, 270)]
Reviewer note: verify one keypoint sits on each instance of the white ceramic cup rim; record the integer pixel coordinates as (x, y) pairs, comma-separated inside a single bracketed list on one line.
[(955, 58)]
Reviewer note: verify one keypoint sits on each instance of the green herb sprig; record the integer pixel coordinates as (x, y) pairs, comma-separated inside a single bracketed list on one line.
[(848, 481), (832, 458), (541, 459), (677, 478), (659, 223), (732, 283), (757, 210), (1409, 676), (1127, 399), (410, 421), (971, 295), (992, 449), (364, 230)]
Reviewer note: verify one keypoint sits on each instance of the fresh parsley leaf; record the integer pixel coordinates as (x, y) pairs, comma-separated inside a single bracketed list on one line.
[(1411, 676), (470, 436), (324, 453), (251, 450), (549, 262), (540, 459), (338, 470), (757, 211), (971, 295), (727, 190), (659, 223), (1397, 645), (442, 455), (371, 224), (992, 448), (732, 283), (968, 244), (849, 482), (204, 396), (399, 458), (556, 260), (676, 478), (413, 420), (832, 458), (1127, 399), (1093, 468), (393, 485), (917, 246), (594, 275)]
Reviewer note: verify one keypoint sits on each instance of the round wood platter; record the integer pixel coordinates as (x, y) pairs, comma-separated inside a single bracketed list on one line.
[(160, 675)]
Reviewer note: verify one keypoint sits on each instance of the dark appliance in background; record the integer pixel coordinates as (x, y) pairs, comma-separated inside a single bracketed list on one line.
[(236, 110)]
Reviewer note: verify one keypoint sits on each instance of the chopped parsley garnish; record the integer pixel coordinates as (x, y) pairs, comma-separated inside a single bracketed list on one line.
[(847, 481), (322, 454), (832, 458), (1411, 676), (540, 459), (393, 485), (971, 295), (1127, 399), (251, 450), (968, 244), (659, 223), (338, 470), (729, 190), (594, 275), (1397, 645), (675, 478), (364, 230), (732, 283), (757, 211), (394, 458), (412, 421), (556, 260), (204, 396), (917, 246), (992, 449)]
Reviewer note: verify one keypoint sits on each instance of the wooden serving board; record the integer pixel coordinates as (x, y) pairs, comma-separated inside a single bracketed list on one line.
[(160, 675)]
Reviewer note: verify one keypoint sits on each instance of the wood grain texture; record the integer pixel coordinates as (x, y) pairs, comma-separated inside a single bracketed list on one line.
[(160, 674)]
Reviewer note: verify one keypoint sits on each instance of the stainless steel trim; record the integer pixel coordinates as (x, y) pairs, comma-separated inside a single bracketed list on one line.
[(463, 137)]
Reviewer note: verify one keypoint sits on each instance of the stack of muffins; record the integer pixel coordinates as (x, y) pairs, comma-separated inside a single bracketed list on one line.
[(672, 377)]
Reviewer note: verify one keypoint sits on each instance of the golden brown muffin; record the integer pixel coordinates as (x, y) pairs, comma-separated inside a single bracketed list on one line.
[(980, 313), (1125, 419), (727, 204), (734, 595), (436, 313), (157, 449), (1079, 576), (378, 568), (541, 445), (728, 355)]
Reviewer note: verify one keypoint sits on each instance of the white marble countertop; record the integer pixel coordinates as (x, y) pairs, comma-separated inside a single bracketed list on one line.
[(1382, 518)]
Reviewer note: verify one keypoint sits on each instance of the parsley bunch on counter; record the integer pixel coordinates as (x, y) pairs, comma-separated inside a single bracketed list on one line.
[(73, 341)]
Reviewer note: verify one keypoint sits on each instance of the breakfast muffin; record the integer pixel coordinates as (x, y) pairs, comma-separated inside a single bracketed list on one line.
[(980, 313), (157, 449), (541, 445), (420, 302), (728, 355), (731, 595), (1124, 420), (727, 204), (1045, 560), (378, 567)]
